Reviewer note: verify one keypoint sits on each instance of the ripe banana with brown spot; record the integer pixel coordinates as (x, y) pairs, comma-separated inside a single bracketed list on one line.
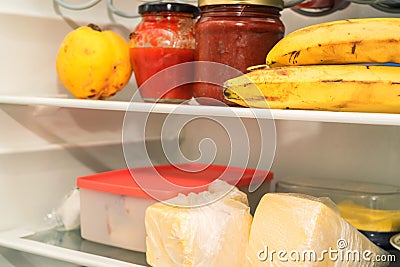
[(365, 40), (354, 88)]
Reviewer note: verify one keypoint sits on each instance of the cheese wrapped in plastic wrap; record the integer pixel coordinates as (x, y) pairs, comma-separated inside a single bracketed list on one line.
[(210, 235), (300, 230)]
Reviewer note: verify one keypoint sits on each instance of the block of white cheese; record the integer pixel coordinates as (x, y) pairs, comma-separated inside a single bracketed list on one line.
[(300, 230), (216, 234)]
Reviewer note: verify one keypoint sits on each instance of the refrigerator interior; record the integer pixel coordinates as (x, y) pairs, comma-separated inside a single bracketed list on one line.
[(49, 138)]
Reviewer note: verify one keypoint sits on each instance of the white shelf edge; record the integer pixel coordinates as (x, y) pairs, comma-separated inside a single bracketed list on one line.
[(64, 102), (58, 146), (62, 146), (338, 117), (14, 239), (202, 111)]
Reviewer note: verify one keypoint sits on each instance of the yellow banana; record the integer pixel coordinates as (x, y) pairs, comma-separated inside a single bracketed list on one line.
[(320, 87), (366, 40), (92, 63)]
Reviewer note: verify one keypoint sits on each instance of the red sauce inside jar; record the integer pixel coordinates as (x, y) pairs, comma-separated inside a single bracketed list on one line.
[(236, 35), (149, 61)]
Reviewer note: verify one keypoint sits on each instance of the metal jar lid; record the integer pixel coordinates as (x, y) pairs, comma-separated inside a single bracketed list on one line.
[(168, 6), (271, 3)]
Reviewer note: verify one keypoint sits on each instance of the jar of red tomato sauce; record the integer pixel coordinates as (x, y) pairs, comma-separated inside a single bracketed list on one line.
[(163, 38), (238, 35)]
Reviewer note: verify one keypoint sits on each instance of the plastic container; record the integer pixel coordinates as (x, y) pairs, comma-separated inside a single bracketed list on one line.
[(236, 34), (373, 209), (113, 205), (163, 38)]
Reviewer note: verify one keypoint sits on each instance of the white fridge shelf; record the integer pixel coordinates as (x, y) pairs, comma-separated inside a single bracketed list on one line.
[(199, 110)]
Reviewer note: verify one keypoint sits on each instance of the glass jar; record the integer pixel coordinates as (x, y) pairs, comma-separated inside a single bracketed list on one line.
[(238, 35), (163, 38)]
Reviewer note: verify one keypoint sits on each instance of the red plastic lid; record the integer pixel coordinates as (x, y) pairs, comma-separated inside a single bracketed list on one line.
[(187, 176)]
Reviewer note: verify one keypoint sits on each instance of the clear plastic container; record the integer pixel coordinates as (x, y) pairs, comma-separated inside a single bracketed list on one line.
[(374, 209), (113, 205)]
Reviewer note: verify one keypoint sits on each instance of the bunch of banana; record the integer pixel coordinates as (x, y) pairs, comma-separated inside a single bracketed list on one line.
[(328, 66)]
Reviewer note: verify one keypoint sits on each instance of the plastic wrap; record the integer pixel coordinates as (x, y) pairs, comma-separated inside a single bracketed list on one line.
[(66, 216), (299, 230), (213, 235)]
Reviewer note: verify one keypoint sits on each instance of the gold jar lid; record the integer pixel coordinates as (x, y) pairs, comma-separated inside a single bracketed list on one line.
[(272, 3)]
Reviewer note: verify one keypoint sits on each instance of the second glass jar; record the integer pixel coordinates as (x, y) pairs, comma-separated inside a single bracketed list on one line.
[(238, 35)]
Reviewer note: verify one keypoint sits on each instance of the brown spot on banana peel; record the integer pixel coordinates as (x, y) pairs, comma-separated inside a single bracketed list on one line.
[(234, 97), (393, 40), (293, 56), (282, 71), (332, 81), (360, 82), (353, 48), (272, 98), (354, 81), (231, 95), (340, 106)]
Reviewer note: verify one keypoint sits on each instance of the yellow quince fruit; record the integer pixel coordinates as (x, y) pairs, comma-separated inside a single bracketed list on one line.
[(93, 64)]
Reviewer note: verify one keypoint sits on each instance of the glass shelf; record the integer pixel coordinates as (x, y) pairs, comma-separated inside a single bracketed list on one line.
[(70, 247)]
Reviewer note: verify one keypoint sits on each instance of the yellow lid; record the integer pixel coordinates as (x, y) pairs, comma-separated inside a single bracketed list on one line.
[(272, 3)]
